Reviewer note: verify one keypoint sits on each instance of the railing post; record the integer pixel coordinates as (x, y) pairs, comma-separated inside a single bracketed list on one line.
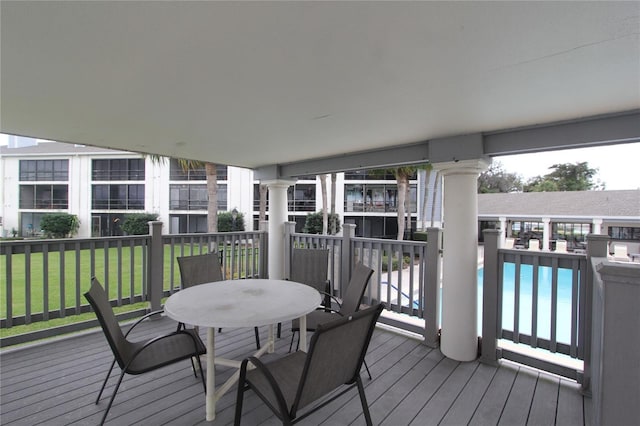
[(156, 266), (346, 263), (597, 246), (264, 248), (431, 289), (289, 229), (489, 339)]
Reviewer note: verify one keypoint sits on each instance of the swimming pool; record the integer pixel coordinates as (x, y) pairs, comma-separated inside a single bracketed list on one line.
[(564, 310)]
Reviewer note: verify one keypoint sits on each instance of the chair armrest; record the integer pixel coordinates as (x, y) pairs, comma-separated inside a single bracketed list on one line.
[(157, 339), (144, 317), (277, 392)]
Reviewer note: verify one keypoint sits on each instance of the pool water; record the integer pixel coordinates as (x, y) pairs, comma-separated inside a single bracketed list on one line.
[(563, 323)]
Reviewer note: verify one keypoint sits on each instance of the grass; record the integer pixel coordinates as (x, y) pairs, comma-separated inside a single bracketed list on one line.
[(63, 275)]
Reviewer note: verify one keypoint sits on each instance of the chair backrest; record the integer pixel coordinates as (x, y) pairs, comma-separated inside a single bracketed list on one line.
[(620, 252), (355, 290), (509, 243), (561, 246), (310, 266), (534, 244), (199, 269), (336, 354), (99, 301)]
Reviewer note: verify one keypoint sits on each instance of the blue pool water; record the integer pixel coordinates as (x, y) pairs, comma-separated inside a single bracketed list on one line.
[(563, 327)]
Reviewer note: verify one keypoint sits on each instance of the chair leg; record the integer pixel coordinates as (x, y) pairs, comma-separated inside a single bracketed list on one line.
[(279, 330), (363, 400), (105, 380), (293, 334), (255, 329), (113, 396), (240, 396), (367, 367), (204, 383)]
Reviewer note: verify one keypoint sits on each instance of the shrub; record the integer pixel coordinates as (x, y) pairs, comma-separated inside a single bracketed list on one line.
[(227, 224), (313, 224), (138, 223), (59, 225)]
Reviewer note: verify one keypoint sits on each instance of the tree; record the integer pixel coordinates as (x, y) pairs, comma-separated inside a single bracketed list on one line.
[(138, 223), (565, 177), (211, 174), (325, 210), (496, 179), (313, 223), (228, 223), (59, 225)]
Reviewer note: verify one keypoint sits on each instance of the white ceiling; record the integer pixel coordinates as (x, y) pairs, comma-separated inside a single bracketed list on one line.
[(259, 83)]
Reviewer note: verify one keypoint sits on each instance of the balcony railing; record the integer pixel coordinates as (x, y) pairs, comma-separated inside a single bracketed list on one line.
[(45, 279)]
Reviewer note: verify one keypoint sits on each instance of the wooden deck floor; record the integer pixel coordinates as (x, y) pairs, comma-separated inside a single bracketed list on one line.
[(55, 383)]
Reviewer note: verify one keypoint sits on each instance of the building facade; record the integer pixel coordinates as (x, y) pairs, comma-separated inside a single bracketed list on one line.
[(101, 186)]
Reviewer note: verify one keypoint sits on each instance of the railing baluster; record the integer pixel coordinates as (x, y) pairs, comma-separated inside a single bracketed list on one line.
[(119, 267), (516, 303), (27, 284), (553, 343), (574, 310), (534, 302), (45, 282), (63, 281), (79, 277), (9, 286)]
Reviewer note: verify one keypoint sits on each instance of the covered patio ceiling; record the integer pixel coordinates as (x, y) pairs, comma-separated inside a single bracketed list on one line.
[(255, 84)]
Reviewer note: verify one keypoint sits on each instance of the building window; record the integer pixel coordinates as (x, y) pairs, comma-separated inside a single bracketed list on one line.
[(44, 197), (195, 197), (301, 198), (624, 233), (30, 224), (118, 169), (177, 172), (188, 223), (117, 197), (47, 170), (188, 197), (378, 198), (574, 233)]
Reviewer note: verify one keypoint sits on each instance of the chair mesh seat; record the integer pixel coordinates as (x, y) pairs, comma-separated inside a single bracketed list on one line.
[(164, 352), (287, 371)]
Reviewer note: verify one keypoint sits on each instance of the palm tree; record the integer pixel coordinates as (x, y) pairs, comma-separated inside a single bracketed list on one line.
[(211, 174), (325, 212)]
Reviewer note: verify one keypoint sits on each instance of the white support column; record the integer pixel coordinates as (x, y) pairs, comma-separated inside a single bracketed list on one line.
[(459, 338), (597, 226), (277, 218), (546, 232), (503, 231)]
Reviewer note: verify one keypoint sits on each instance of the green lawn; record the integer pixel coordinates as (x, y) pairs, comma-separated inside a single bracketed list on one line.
[(63, 277)]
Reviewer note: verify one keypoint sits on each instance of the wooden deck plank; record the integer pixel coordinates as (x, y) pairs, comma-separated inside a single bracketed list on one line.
[(465, 405), (516, 410), (55, 383), (438, 406), (494, 399), (428, 386), (570, 407), (545, 400)]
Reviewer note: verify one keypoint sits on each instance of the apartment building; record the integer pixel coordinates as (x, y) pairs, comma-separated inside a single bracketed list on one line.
[(101, 186)]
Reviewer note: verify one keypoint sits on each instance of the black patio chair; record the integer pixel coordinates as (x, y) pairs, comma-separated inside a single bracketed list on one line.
[(310, 267), (199, 269), (290, 384), (140, 357), (350, 304)]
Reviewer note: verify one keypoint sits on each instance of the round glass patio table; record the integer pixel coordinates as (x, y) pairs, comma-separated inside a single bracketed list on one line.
[(240, 303)]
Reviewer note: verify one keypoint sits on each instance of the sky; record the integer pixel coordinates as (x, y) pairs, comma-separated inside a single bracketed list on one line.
[(618, 165)]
